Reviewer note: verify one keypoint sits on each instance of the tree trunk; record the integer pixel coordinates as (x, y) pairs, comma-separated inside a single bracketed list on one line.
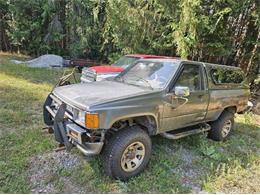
[(254, 52)]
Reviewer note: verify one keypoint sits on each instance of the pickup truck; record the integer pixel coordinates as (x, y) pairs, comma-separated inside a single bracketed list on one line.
[(98, 73), (171, 97)]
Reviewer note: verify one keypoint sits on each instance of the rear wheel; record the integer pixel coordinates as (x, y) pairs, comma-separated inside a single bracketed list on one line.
[(127, 153), (222, 128)]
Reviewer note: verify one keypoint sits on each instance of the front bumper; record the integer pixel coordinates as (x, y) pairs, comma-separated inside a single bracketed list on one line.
[(67, 132)]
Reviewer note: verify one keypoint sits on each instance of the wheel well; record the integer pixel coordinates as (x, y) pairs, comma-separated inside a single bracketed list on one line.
[(232, 109), (147, 123)]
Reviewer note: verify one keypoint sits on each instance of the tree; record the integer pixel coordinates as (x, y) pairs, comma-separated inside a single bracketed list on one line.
[(224, 32)]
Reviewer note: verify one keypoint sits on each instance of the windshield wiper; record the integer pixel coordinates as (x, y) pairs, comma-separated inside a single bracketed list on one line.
[(144, 80)]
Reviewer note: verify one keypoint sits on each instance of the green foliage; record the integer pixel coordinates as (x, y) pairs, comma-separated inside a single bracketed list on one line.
[(210, 151), (185, 34), (225, 32)]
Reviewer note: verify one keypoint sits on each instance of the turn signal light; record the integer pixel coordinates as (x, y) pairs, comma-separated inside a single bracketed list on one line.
[(91, 121)]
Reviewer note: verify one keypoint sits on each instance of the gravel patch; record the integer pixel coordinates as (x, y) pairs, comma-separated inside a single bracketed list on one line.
[(190, 176), (44, 173)]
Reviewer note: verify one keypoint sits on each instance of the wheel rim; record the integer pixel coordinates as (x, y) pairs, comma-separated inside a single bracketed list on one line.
[(226, 128), (133, 156)]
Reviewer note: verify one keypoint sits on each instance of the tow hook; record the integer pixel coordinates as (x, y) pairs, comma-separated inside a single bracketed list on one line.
[(49, 129), (60, 148)]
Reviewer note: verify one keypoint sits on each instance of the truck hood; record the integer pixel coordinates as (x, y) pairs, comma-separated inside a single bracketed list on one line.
[(84, 95), (107, 69)]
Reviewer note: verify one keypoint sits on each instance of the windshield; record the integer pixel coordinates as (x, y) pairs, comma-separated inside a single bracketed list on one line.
[(125, 61), (150, 74)]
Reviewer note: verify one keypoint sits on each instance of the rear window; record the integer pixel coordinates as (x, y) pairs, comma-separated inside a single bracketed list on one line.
[(224, 76), (125, 61)]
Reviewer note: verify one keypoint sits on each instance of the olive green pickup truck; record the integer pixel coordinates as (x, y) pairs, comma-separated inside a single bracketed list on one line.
[(171, 97)]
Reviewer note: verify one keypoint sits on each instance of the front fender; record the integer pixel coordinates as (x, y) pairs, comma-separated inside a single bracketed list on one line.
[(111, 116)]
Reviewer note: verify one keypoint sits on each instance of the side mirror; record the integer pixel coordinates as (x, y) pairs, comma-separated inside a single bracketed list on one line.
[(182, 91)]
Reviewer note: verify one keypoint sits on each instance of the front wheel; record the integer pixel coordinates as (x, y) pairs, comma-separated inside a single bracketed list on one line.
[(127, 153)]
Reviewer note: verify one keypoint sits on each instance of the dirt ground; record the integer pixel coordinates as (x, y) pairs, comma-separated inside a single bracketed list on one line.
[(43, 171)]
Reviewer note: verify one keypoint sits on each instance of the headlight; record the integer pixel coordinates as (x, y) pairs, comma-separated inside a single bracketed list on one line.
[(91, 120), (81, 118)]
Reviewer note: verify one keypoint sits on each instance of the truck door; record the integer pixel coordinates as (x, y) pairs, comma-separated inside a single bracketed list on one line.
[(182, 111)]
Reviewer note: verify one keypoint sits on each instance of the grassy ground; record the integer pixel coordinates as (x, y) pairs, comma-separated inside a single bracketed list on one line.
[(193, 164)]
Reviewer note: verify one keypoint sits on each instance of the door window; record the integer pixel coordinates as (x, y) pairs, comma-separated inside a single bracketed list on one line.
[(190, 77)]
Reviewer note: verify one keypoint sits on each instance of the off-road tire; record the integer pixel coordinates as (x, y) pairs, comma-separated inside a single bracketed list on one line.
[(217, 126), (46, 115), (115, 147)]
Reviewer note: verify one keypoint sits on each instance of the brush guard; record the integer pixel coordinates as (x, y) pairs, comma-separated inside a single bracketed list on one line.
[(65, 129)]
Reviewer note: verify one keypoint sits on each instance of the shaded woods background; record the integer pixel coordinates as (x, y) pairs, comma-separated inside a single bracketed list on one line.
[(221, 31)]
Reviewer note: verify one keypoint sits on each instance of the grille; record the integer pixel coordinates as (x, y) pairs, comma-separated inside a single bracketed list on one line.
[(89, 75), (71, 112)]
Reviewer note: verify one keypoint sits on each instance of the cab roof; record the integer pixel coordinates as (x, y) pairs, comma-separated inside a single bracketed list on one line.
[(144, 56), (179, 60)]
